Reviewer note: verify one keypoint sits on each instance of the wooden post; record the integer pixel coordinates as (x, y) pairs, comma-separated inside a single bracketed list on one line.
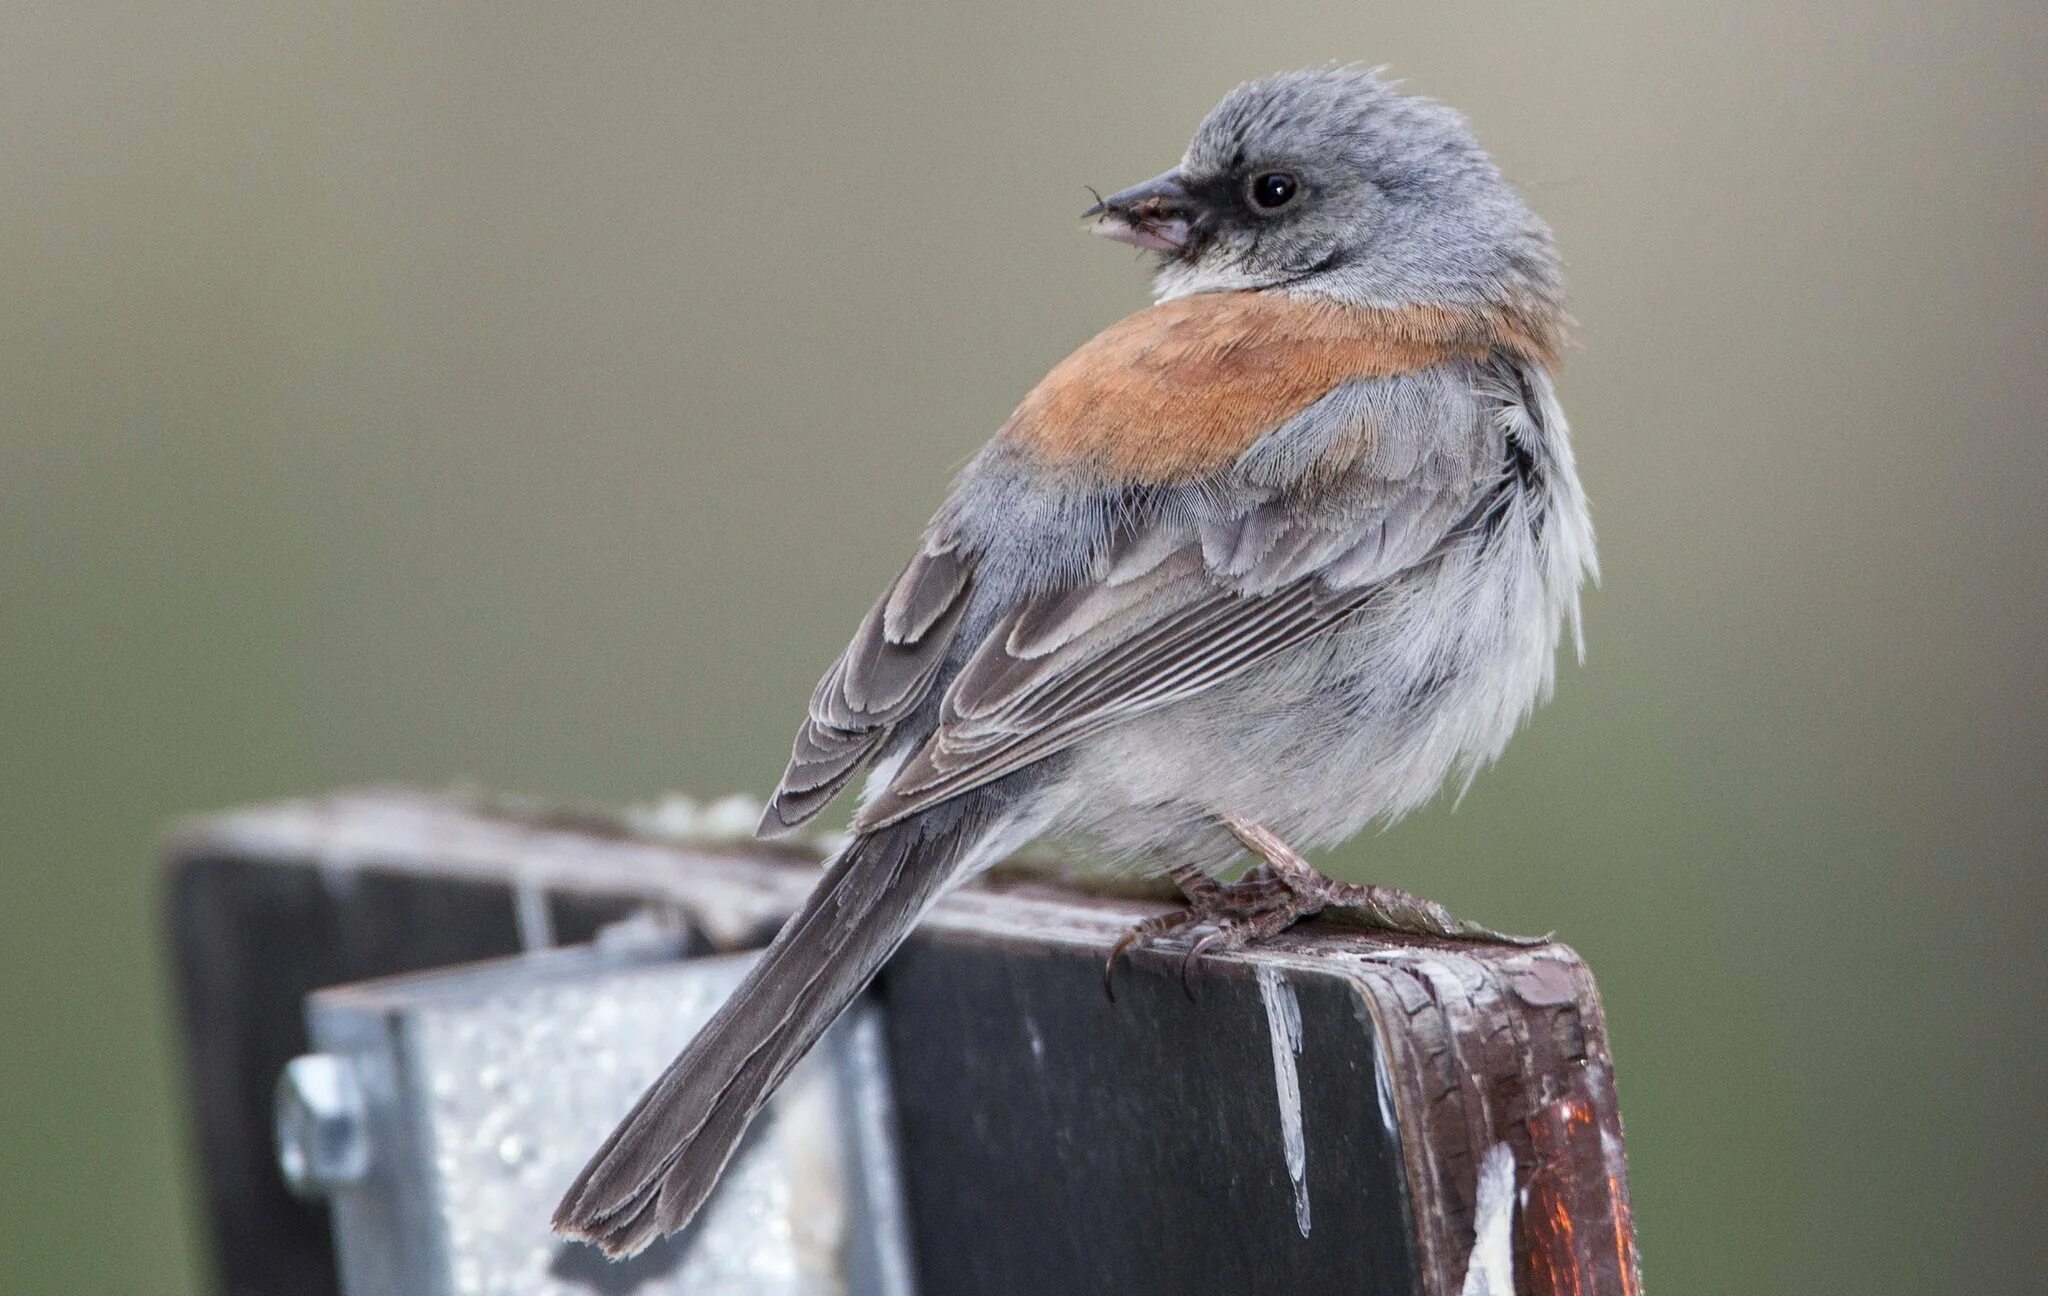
[(1333, 1111)]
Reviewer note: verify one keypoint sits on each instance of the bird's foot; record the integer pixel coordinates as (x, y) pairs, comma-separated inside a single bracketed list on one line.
[(1276, 894), (1257, 905), (1381, 908)]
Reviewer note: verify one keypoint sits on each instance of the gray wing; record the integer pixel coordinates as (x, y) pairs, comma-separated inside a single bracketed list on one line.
[(877, 682), (1196, 593)]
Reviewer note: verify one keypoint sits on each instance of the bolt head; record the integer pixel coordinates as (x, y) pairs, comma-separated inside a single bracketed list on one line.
[(322, 1125)]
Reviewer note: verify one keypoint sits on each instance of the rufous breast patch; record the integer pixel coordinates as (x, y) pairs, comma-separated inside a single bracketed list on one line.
[(1182, 388)]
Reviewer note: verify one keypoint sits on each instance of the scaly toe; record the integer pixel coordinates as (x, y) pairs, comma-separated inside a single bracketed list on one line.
[(1144, 935), (1387, 909), (1196, 949), (1237, 932)]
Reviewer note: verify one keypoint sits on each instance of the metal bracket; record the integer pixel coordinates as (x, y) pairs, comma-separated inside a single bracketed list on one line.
[(447, 1110)]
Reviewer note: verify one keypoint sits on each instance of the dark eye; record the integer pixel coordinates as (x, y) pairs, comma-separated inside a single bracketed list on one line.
[(1274, 189)]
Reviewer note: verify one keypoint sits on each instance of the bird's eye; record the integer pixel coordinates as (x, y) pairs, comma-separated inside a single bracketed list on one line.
[(1274, 189)]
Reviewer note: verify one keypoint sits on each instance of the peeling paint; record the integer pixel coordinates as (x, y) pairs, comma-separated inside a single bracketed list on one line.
[(1491, 1270), (1283, 1025)]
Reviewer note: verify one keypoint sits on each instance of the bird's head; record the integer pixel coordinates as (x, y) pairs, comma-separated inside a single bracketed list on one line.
[(1329, 181)]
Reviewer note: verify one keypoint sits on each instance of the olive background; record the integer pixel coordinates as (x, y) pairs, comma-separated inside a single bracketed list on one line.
[(534, 395)]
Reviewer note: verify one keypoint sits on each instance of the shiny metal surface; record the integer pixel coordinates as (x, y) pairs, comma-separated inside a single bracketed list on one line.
[(478, 1091)]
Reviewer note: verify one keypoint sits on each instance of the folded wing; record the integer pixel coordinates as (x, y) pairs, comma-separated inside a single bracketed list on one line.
[(1227, 548), (1173, 609), (881, 678)]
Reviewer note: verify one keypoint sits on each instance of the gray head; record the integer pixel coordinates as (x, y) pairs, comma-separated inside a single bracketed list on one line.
[(1328, 181)]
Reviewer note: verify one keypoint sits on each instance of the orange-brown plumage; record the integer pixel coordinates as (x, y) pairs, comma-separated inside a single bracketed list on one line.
[(1182, 388)]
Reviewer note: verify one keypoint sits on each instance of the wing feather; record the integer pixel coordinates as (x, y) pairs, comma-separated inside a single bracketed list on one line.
[(1025, 709), (880, 679)]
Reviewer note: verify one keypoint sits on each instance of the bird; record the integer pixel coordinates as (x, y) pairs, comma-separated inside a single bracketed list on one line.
[(1268, 561)]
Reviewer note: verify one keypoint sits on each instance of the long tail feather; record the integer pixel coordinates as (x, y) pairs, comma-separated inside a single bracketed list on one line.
[(663, 1160)]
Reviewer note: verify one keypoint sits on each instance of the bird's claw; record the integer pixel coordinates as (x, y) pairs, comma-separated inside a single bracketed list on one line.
[(1196, 949)]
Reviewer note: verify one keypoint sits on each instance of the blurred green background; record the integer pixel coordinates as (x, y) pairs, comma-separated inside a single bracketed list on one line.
[(535, 395)]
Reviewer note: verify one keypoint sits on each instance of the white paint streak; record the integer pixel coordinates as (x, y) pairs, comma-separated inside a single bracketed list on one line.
[(1283, 1024), (530, 913), (1383, 1082), (1491, 1270)]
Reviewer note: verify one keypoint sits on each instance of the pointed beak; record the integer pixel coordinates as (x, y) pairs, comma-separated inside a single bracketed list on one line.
[(1158, 214)]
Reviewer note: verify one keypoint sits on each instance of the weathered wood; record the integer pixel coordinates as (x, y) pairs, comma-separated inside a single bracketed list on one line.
[(1054, 1140)]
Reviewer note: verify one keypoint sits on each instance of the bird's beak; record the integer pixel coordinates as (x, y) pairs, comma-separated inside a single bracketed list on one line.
[(1158, 214)]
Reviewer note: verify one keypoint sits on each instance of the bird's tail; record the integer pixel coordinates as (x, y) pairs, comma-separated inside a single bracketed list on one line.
[(662, 1161)]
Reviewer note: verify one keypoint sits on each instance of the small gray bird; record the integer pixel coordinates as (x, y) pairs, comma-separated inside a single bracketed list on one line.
[(1259, 565)]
